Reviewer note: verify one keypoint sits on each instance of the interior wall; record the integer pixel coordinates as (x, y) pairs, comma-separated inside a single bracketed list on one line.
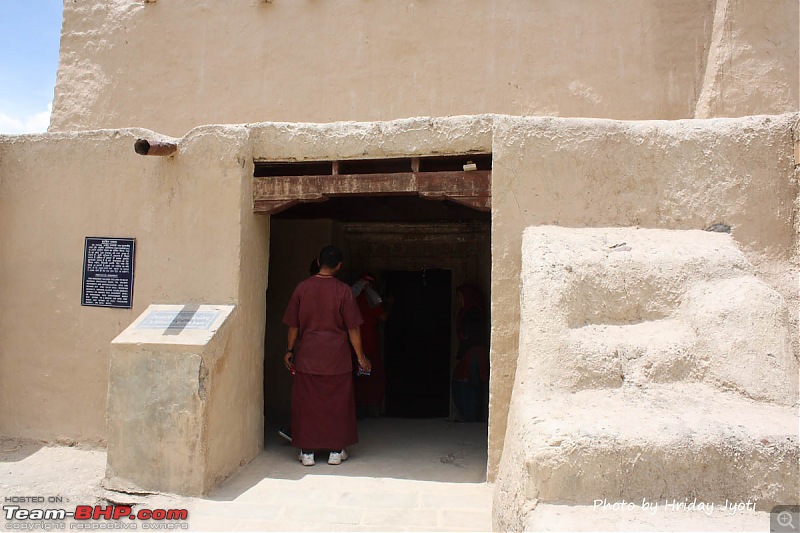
[(293, 245), (461, 247)]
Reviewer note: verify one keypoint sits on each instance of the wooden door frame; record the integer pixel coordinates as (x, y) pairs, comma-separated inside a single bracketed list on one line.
[(275, 193)]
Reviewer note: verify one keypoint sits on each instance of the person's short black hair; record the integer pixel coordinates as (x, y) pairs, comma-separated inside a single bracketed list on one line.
[(330, 256)]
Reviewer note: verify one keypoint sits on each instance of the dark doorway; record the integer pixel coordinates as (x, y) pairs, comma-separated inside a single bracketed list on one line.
[(417, 343)]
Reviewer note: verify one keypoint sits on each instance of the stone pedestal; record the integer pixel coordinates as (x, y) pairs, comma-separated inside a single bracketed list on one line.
[(159, 396)]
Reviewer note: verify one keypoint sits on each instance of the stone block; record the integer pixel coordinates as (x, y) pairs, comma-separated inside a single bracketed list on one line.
[(654, 365), (158, 395)]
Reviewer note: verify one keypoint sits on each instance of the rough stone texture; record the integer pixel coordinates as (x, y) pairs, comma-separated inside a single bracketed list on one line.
[(675, 307), (161, 383), (422, 136), (660, 369), (157, 431), (676, 175), (226, 61), (753, 60)]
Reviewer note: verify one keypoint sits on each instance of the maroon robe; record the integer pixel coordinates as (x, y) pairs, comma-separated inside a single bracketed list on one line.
[(370, 389), (323, 402)]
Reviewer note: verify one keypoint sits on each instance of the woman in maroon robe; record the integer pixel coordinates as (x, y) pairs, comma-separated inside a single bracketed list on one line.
[(371, 388), (323, 320)]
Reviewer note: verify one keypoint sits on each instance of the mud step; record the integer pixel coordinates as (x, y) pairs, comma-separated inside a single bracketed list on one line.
[(608, 356), (673, 441)]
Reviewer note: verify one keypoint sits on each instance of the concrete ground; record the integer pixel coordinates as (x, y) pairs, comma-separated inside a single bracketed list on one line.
[(405, 475)]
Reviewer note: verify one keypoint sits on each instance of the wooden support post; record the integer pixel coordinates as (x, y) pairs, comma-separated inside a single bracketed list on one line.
[(145, 147)]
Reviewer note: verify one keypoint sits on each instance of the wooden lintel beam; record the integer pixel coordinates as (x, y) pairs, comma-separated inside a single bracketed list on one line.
[(273, 207), (286, 187), (479, 202), (457, 183), (274, 194), (471, 183)]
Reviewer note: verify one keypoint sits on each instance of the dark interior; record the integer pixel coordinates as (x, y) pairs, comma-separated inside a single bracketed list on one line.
[(417, 344)]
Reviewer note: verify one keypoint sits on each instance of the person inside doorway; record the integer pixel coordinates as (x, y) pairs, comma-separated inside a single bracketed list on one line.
[(370, 388), (471, 374), (323, 320)]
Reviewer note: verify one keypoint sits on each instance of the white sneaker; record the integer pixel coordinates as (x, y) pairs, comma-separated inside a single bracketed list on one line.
[(306, 458), (336, 458)]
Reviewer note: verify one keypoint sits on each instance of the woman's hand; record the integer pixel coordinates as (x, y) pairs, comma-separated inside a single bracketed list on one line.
[(287, 360), (365, 364)]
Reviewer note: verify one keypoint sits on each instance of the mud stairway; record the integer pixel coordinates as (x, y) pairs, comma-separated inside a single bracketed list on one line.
[(656, 386)]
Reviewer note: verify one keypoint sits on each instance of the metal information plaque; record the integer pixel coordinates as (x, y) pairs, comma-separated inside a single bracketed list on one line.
[(179, 320), (108, 265)]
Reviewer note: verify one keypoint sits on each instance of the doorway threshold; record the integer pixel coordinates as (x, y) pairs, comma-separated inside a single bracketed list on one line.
[(405, 474)]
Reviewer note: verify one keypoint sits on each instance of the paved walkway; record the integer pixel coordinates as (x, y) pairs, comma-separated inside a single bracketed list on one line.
[(406, 475), (321, 502)]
